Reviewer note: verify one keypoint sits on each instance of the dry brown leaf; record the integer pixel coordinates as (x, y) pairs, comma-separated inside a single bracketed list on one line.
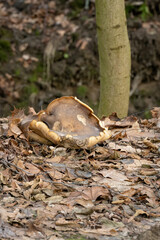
[(118, 201), (51, 4), (54, 199), (40, 197), (63, 222), (34, 231), (99, 231), (127, 148), (20, 164), (14, 130), (117, 185), (137, 213), (84, 203), (92, 193), (31, 168), (113, 174), (55, 159), (150, 144), (54, 174), (148, 172), (27, 194), (23, 47)]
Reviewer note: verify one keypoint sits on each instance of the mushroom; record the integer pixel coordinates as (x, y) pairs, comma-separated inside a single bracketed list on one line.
[(68, 122)]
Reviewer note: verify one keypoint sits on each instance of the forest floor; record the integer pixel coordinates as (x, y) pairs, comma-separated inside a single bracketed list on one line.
[(111, 191), (48, 49)]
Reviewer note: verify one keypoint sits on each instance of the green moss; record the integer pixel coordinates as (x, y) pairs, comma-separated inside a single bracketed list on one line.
[(39, 68), (92, 73), (32, 78), (27, 91), (93, 106), (37, 32), (17, 72), (62, 1), (58, 56), (74, 14), (143, 93), (84, 18), (76, 4), (82, 91), (129, 8), (30, 88), (5, 50), (36, 73), (5, 33), (22, 104), (75, 36), (147, 114)]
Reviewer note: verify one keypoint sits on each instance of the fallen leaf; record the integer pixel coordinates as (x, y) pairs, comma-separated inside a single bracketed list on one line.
[(99, 231), (91, 193), (63, 222), (31, 168), (113, 174), (53, 199), (137, 213)]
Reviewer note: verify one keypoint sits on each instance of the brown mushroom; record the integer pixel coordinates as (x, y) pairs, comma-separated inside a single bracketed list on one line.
[(68, 122)]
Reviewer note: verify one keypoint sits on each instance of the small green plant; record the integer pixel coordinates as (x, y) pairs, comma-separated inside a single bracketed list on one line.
[(5, 33), (17, 72), (33, 78), (74, 14), (5, 50), (144, 11), (62, 1), (22, 104), (66, 55), (138, 10), (147, 114), (30, 88), (82, 91), (129, 8), (36, 73), (75, 36), (76, 4), (26, 92), (37, 32)]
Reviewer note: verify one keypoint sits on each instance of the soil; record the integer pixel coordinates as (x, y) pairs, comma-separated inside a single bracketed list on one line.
[(112, 191), (52, 52)]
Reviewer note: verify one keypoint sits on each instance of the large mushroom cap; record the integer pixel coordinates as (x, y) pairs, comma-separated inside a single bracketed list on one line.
[(69, 122)]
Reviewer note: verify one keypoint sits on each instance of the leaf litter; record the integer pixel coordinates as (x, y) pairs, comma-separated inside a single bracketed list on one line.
[(110, 190)]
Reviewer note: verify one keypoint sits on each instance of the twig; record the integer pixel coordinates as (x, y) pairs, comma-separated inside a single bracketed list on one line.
[(6, 163)]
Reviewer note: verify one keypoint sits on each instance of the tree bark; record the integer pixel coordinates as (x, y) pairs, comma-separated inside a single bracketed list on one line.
[(114, 57)]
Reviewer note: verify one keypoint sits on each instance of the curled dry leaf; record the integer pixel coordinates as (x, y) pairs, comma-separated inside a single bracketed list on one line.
[(19, 123), (137, 213), (97, 232), (90, 194)]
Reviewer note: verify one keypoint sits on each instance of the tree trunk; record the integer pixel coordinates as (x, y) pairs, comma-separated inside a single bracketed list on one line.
[(114, 57)]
